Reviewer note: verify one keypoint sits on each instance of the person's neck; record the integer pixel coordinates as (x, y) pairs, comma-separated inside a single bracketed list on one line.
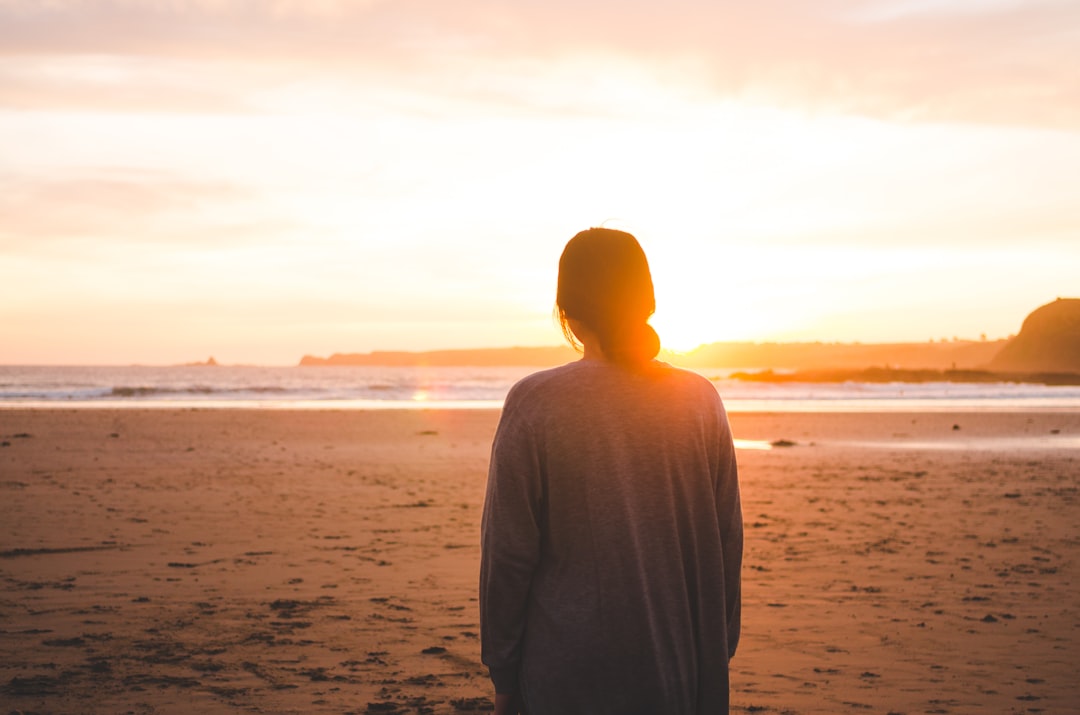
[(593, 353)]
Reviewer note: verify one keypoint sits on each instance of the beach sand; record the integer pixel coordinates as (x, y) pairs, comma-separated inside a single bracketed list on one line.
[(213, 561)]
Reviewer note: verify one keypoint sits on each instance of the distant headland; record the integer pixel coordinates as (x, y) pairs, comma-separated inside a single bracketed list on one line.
[(1046, 350), (209, 362), (777, 356), (480, 357), (1049, 341)]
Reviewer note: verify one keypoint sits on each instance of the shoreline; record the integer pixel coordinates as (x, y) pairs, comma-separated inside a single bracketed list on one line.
[(733, 406), (907, 376)]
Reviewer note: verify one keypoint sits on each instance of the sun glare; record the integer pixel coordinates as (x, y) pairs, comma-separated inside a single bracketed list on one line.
[(683, 327), (700, 299)]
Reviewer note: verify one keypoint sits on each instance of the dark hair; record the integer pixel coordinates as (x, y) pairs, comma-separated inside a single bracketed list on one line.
[(604, 281)]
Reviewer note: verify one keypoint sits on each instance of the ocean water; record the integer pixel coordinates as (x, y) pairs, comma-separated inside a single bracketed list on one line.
[(460, 387)]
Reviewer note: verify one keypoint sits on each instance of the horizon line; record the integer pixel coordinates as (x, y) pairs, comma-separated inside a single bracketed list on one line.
[(564, 346)]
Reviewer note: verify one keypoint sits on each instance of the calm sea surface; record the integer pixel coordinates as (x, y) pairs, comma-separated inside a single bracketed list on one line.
[(458, 387)]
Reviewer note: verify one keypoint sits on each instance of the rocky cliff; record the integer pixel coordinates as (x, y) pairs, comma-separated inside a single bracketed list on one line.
[(1049, 341)]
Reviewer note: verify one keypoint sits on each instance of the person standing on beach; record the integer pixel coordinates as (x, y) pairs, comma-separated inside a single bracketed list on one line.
[(611, 538)]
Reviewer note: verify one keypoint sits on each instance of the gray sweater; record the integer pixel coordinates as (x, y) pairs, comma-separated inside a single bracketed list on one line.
[(612, 543)]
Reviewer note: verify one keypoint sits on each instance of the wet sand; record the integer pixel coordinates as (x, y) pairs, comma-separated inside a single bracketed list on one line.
[(173, 561)]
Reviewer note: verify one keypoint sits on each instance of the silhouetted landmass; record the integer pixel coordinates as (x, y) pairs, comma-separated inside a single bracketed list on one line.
[(887, 375), (488, 357), (959, 354), (1047, 351), (1049, 341), (210, 362)]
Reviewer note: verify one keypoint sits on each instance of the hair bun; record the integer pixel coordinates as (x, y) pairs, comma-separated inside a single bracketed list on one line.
[(651, 342), (635, 343), (648, 342)]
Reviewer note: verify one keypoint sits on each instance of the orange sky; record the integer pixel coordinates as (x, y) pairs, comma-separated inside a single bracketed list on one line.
[(262, 179)]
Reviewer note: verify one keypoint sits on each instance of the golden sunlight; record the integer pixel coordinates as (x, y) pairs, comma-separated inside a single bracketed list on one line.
[(707, 297)]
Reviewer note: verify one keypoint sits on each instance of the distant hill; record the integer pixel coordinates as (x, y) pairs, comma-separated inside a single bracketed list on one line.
[(210, 362), (1048, 344), (485, 357), (959, 354), (1049, 341)]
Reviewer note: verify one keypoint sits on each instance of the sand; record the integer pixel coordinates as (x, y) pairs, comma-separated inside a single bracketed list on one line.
[(212, 561)]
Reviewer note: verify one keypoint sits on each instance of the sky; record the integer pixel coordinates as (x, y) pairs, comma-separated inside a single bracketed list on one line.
[(259, 180)]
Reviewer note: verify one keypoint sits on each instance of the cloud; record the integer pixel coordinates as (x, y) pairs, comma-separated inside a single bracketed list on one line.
[(116, 84), (116, 206), (241, 30), (1001, 62)]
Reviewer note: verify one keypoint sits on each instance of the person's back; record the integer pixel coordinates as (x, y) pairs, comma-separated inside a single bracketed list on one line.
[(612, 531), (620, 505)]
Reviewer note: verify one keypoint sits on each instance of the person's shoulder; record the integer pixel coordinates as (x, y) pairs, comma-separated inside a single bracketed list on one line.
[(692, 390), (687, 380), (532, 388)]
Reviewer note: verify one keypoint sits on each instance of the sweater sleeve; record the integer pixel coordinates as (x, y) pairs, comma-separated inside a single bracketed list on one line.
[(510, 547), (729, 511)]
